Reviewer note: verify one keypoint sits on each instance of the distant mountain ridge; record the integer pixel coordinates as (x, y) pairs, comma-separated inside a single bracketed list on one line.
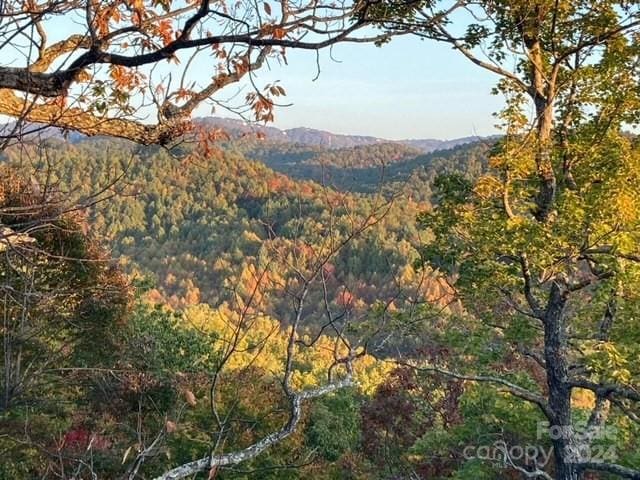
[(299, 135), (322, 138)]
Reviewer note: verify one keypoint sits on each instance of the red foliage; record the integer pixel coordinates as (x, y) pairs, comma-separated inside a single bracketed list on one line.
[(402, 411), (345, 298), (80, 438)]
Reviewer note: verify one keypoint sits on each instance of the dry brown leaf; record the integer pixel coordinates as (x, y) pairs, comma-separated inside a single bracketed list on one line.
[(170, 426), (190, 398)]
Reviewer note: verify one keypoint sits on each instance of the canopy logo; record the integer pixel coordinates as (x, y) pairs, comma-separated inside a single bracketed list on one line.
[(584, 444)]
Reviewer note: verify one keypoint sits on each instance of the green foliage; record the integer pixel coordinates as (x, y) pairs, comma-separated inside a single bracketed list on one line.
[(334, 425), (190, 232), (368, 169), (64, 302), (160, 344), (200, 228)]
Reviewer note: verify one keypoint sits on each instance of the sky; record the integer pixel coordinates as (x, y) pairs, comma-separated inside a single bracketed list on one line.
[(406, 89)]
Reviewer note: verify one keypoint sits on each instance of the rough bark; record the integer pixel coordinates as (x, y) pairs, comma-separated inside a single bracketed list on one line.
[(542, 93), (87, 123), (559, 384)]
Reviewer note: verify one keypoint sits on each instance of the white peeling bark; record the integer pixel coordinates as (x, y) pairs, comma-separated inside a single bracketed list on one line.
[(252, 451)]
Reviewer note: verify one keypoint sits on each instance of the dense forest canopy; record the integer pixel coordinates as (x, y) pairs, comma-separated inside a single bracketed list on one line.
[(185, 301), (208, 241), (199, 227)]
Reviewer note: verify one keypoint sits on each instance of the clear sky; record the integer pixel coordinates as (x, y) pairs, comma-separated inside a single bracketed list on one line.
[(406, 89)]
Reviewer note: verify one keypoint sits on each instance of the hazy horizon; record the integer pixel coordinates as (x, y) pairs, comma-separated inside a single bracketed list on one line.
[(403, 90), (333, 132)]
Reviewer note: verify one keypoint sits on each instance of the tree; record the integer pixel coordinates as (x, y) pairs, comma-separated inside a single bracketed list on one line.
[(544, 246), (108, 72), (552, 47), (62, 302), (111, 67)]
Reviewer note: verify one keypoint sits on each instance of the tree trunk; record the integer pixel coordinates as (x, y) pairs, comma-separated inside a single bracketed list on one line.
[(567, 471), (542, 92), (547, 194), (557, 367)]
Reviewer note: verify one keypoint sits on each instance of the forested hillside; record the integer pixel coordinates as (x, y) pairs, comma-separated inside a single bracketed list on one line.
[(218, 239), (201, 298), (388, 167), (201, 226)]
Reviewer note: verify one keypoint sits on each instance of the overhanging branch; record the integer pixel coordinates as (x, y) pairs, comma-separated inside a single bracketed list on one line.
[(233, 458)]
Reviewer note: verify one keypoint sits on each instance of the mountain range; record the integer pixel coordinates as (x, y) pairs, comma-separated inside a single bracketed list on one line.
[(299, 135), (324, 139)]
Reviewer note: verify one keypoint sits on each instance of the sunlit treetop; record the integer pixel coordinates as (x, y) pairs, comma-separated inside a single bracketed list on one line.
[(550, 56)]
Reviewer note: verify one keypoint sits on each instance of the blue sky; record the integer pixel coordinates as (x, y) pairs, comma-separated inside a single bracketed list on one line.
[(406, 89)]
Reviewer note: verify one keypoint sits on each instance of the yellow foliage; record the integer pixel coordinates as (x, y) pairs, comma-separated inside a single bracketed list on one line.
[(583, 399), (626, 208), (260, 342), (488, 186)]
